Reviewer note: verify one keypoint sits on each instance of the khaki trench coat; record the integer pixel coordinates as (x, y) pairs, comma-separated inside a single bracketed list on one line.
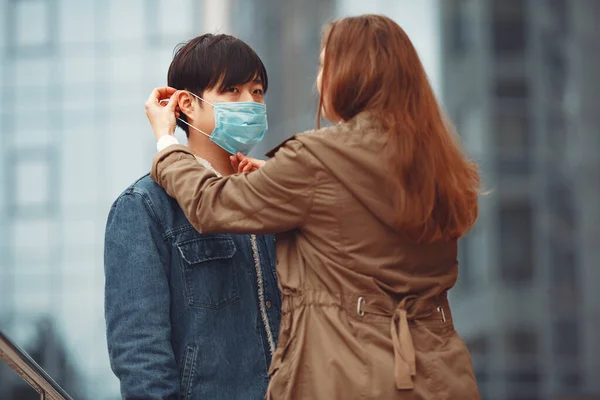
[(364, 311)]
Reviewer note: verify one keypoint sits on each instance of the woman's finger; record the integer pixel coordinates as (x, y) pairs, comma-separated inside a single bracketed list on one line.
[(160, 93), (172, 104), (234, 163), (242, 165)]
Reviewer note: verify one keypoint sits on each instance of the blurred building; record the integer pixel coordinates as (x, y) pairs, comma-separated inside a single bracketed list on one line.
[(520, 82), (73, 137), (286, 34), (74, 75)]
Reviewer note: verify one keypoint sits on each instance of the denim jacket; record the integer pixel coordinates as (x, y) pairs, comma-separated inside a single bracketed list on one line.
[(188, 315)]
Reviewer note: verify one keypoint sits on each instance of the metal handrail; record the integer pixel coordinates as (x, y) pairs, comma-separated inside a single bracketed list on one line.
[(30, 371)]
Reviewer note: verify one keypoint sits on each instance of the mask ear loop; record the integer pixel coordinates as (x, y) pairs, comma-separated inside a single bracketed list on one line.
[(185, 122), (201, 99)]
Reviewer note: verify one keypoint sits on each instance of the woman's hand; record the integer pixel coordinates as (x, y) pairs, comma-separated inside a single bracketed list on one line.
[(242, 163), (162, 111)]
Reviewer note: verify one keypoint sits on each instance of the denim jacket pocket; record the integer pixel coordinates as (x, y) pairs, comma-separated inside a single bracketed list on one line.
[(188, 371), (209, 271)]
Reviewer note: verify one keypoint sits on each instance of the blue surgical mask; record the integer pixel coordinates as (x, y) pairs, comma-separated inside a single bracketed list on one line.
[(239, 125)]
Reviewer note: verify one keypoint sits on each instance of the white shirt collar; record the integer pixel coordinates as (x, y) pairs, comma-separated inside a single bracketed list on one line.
[(208, 165)]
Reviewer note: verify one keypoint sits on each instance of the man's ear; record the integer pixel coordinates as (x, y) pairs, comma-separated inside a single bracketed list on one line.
[(186, 102)]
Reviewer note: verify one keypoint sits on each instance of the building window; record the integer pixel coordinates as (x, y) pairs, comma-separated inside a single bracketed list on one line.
[(512, 89), (33, 292), (524, 396), (482, 376), (523, 381), (78, 23), (564, 279), (509, 30), (560, 14), (32, 242), (465, 278), (562, 238), (529, 378), (160, 14), (566, 338), (555, 62), (32, 183), (513, 137), (484, 379), (124, 24), (462, 33), (516, 242), (521, 342), (561, 196), (470, 124), (572, 380), (31, 25), (478, 345), (557, 131)]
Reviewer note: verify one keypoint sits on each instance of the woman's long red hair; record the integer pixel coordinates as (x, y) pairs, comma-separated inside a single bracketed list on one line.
[(371, 65)]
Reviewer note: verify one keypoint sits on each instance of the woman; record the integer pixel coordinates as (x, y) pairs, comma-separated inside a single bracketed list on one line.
[(367, 212)]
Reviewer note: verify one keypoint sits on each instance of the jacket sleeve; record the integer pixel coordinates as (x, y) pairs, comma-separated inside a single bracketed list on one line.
[(137, 302), (273, 199)]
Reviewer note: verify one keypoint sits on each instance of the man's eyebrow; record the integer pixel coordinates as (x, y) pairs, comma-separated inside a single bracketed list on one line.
[(257, 80)]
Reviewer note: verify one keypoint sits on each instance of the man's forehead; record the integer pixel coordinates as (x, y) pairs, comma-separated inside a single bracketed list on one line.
[(254, 81)]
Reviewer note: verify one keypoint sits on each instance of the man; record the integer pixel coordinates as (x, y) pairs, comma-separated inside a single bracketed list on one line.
[(190, 315)]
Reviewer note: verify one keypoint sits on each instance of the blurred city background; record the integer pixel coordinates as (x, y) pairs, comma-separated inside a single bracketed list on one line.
[(519, 78)]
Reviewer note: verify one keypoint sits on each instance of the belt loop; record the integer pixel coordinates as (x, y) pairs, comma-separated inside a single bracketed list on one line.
[(441, 310), (359, 303)]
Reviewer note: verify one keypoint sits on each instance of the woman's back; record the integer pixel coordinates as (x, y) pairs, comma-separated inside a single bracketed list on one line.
[(359, 298), (349, 231)]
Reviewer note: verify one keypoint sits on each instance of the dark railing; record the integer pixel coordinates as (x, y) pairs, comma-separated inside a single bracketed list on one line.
[(30, 371)]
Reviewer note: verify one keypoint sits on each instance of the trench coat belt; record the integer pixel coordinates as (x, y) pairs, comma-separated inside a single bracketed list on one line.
[(404, 351)]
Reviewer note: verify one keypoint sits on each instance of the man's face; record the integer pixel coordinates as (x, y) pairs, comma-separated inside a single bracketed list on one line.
[(203, 114)]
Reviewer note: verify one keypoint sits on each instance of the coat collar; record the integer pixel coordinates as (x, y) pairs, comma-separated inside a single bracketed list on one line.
[(274, 150), (364, 119)]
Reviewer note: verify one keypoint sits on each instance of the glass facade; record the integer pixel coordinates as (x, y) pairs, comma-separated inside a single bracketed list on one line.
[(74, 135), (74, 75), (526, 79)]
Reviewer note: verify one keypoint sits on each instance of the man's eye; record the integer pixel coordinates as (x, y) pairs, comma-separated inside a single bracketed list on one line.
[(259, 91), (232, 89)]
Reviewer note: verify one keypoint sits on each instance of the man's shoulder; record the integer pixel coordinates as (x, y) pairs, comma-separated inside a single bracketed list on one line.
[(143, 199), (146, 187), (149, 191)]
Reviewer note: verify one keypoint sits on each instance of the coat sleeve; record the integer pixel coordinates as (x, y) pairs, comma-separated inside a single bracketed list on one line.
[(276, 198)]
